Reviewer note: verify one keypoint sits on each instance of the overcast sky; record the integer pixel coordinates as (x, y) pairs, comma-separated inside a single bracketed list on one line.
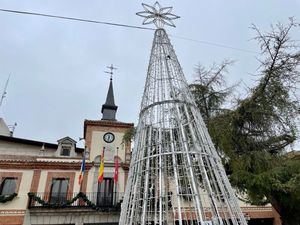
[(56, 66)]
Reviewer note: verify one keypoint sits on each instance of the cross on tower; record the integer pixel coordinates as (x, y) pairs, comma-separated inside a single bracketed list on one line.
[(111, 72)]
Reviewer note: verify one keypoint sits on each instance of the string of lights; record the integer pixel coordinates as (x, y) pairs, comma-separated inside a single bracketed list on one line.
[(214, 44), (123, 25), (73, 19)]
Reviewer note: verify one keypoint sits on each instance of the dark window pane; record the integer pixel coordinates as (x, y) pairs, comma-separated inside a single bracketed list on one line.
[(105, 192), (65, 151), (55, 186), (64, 186), (59, 190), (8, 186)]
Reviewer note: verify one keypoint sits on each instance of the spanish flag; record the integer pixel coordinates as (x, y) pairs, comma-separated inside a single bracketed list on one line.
[(82, 169), (101, 167)]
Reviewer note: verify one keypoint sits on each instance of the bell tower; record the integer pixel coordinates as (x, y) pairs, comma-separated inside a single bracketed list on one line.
[(108, 133)]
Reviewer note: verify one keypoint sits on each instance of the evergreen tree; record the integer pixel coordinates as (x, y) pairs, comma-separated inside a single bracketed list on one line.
[(254, 134)]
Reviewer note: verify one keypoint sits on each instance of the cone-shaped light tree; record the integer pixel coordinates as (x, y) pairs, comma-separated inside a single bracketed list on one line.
[(176, 175)]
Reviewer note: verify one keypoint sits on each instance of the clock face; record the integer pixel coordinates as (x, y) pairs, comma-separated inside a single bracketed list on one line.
[(109, 137)]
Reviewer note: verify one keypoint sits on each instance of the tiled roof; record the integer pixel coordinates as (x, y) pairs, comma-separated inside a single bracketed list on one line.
[(33, 142)]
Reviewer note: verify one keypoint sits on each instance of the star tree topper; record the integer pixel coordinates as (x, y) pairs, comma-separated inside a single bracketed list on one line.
[(157, 15)]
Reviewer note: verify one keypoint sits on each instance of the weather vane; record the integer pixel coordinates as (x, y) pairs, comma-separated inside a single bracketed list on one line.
[(157, 15), (111, 72)]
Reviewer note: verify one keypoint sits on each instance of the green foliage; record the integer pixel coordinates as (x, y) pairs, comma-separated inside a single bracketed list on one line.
[(209, 89), (129, 135), (67, 203), (6, 198), (254, 133), (279, 185)]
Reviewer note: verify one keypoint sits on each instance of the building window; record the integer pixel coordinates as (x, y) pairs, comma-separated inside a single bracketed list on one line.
[(8, 186), (65, 151), (59, 190), (105, 195)]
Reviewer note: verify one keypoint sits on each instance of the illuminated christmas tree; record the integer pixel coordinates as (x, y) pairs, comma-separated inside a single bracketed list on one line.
[(176, 175)]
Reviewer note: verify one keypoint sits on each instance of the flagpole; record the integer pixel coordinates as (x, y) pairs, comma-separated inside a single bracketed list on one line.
[(118, 166), (82, 170), (117, 183), (80, 186), (101, 167)]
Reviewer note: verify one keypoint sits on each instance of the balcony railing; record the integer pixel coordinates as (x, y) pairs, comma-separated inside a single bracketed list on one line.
[(96, 200)]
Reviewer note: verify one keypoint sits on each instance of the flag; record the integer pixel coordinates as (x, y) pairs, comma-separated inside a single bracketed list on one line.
[(82, 169), (101, 167), (116, 174)]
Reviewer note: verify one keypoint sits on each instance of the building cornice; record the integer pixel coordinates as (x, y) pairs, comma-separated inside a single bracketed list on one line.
[(106, 123), (59, 165), (25, 164)]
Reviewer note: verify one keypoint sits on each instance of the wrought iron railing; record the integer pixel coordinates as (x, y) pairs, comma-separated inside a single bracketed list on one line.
[(95, 200)]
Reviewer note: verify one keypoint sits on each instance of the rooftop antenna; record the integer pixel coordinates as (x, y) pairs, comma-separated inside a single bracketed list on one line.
[(4, 91), (111, 72), (12, 128)]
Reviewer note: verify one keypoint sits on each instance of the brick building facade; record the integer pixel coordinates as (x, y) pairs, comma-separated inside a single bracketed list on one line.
[(39, 181)]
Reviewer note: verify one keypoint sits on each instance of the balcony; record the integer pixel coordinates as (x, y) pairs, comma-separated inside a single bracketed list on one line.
[(100, 201)]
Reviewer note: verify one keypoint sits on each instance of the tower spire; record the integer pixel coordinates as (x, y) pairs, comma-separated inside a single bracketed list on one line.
[(109, 109)]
